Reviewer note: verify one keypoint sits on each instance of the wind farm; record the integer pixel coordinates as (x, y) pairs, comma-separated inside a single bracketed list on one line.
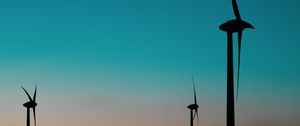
[(128, 63)]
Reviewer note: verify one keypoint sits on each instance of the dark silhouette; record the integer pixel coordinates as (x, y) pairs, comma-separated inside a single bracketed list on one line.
[(232, 26), (194, 107), (31, 104)]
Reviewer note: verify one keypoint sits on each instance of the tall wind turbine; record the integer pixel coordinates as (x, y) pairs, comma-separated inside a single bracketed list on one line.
[(30, 104), (193, 107), (233, 26)]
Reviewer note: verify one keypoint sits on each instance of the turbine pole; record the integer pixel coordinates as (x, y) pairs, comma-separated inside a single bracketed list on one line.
[(28, 117), (230, 82), (192, 120)]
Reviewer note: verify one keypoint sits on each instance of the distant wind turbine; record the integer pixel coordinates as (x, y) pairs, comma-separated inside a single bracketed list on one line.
[(233, 26), (30, 104), (194, 107)]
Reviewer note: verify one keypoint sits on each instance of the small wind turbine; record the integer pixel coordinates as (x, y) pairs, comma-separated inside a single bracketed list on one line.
[(30, 104), (194, 107), (233, 26)]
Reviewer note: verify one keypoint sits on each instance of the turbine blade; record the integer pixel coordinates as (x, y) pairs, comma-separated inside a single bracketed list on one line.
[(34, 116), (194, 116), (236, 10), (195, 97), (34, 96), (240, 34), (27, 94)]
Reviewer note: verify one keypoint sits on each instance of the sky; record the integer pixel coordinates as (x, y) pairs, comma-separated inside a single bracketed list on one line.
[(129, 62)]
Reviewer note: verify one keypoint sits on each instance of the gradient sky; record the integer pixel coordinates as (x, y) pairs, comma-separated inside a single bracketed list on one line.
[(128, 62)]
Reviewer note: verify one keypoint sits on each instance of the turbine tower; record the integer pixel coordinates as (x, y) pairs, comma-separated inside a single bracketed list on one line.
[(30, 104), (193, 107), (233, 26)]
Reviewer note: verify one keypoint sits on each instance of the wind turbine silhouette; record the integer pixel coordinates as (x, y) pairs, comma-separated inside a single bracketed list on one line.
[(193, 107), (30, 104), (232, 26)]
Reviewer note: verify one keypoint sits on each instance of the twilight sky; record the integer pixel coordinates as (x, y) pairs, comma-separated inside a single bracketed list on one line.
[(128, 62)]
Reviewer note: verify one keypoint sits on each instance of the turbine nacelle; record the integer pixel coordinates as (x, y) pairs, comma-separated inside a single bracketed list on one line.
[(235, 25), (193, 106), (30, 104)]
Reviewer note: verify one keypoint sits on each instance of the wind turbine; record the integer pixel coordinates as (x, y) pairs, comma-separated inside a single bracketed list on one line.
[(30, 104), (233, 26), (194, 107)]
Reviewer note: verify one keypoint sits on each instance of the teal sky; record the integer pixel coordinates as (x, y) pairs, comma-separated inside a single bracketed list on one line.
[(128, 62)]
